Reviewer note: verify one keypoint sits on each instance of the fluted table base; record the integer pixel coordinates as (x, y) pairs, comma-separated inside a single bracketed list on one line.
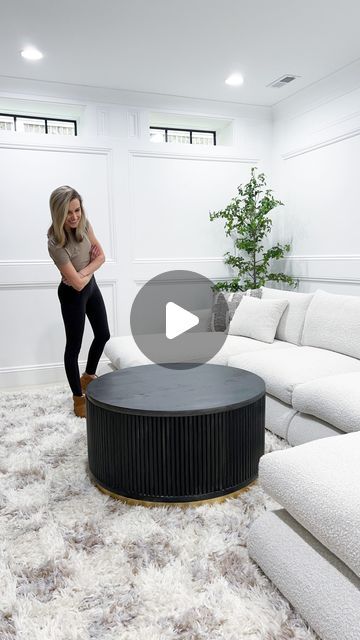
[(175, 459)]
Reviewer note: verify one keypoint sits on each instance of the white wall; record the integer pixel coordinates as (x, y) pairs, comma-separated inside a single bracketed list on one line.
[(316, 150), (149, 205)]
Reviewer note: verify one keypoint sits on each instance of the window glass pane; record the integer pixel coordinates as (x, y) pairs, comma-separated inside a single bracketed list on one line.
[(30, 125), (61, 128), (179, 136), (202, 138), (182, 136), (7, 123), (157, 135)]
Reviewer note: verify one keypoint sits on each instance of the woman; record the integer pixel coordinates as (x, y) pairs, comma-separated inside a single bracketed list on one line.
[(77, 253)]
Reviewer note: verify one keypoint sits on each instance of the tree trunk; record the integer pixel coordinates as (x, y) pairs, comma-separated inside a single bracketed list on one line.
[(254, 269)]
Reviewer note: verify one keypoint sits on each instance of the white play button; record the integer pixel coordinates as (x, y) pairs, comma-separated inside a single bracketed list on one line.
[(178, 320), (165, 325)]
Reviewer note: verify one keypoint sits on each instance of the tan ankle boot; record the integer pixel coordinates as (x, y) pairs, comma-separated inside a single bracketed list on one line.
[(85, 380), (79, 406)]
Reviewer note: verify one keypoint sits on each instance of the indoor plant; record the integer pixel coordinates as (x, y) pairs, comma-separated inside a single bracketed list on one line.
[(247, 221)]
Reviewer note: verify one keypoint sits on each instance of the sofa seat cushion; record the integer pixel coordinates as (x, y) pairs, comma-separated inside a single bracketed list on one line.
[(123, 351), (318, 483), (334, 399), (239, 344), (293, 366)]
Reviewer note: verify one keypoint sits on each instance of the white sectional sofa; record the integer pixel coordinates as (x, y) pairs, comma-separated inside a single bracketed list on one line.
[(311, 391), (310, 547), (311, 370)]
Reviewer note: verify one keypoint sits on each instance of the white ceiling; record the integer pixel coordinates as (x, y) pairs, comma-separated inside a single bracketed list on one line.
[(182, 48)]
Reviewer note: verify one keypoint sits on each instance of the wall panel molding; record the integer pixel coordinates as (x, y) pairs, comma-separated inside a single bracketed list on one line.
[(211, 267), (323, 268), (107, 152), (57, 148), (324, 279), (187, 156), (41, 367), (144, 160), (134, 125), (19, 284), (45, 284), (25, 263), (12, 378), (51, 284), (102, 118), (319, 145), (177, 260), (322, 257), (37, 263)]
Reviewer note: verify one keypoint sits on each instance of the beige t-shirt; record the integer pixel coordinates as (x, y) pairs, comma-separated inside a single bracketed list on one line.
[(78, 253)]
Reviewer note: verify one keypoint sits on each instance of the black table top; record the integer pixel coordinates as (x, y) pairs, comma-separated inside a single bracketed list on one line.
[(157, 390)]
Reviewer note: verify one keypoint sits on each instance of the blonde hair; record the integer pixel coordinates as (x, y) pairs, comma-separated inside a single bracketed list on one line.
[(59, 206)]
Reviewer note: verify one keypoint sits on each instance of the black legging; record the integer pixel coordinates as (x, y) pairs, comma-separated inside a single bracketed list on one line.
[(74, 306)]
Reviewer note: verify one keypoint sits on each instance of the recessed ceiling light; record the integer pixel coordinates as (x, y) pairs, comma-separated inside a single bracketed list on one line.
[(30, 53), (235, 80)]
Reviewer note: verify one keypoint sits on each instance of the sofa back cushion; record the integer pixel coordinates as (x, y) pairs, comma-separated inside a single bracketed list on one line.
[(291, 323), (332, 322), (257, 319)]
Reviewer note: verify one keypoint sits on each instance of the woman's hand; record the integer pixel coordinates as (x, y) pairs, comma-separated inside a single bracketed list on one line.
[(94, 252), (72, 278), (80, 273)]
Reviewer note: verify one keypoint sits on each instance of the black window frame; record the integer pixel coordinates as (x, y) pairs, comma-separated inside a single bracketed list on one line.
[(190, 131), (45, 119)]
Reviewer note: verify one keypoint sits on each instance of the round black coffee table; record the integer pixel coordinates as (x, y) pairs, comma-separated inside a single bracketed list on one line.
[(175, 435)]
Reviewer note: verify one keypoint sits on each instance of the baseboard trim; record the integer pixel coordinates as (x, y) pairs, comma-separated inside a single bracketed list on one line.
[(33, 375)]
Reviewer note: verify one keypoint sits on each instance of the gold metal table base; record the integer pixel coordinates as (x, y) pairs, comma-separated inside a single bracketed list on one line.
[(182, 505)]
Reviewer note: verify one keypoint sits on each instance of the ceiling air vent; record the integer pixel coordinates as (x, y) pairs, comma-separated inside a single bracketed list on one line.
[(282, 82)]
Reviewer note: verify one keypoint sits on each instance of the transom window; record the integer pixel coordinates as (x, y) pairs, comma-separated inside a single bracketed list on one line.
[(182, 136), (37, 124)]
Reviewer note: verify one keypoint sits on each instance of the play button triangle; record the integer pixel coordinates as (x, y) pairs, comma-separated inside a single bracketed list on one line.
[(178, 320)]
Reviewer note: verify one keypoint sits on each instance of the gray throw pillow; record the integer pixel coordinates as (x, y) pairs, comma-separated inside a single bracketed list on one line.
[(224, 306)]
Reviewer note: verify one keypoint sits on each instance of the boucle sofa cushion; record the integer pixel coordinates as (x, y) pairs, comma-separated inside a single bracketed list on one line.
[(123, 351), (257, 319), (238, 344), (318, 483), (332, 322), (334, 399), (318, 585), (292, 367), (292, 320)]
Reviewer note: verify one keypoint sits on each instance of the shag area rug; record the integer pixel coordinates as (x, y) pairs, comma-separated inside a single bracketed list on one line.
[(78, 565)]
